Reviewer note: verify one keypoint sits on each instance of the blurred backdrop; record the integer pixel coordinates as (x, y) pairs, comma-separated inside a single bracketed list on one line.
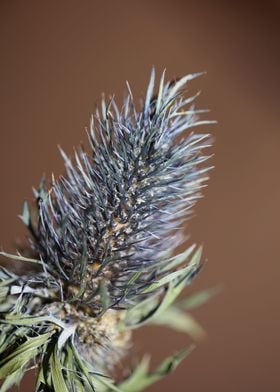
[(57, 57)]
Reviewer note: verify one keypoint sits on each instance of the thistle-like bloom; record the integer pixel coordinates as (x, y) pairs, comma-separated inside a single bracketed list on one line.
[(118, 209), (105, 234)]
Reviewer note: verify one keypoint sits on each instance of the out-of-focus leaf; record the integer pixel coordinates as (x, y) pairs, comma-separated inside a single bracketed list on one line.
[(104, 296), (178, 259), (140, 372), (107, 383), (198, 299), (166, 279), (175, 318), (140, 312), (141, 379)]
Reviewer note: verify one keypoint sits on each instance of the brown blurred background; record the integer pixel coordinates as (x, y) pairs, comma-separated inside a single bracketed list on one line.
[(57, 57)]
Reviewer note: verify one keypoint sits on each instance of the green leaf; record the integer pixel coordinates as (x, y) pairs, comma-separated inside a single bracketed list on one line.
[(198, 299), (19, 319), (5, 274), (134, 277), (175, 287), (178, 259), (20, 257), (104, 296), (11, 380), (136, 377), (20, 357), (8, 336), (107, 383), (170, 364), (40, 379), (83, 261), (140, 379), (83, 367), (194, 263), (17, 363), (139, 312), (30, 344), (175, 318), (73, 378), (56, 373)]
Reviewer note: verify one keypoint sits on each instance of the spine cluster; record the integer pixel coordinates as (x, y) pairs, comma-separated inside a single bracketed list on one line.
[(119, 208)]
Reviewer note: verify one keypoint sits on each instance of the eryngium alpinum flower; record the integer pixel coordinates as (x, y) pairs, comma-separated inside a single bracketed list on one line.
[(104, 235)]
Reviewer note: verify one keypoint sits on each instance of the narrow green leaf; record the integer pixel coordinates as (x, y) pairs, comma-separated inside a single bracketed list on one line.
[(104, 296), (17, 363), (143, 379), (198, 299), (178, 259), (30, 344), (40, 379), (73, 377), (84, 261), (83, 367), (180, 321), (107, 383), (6, 275), (20, 257), (175, 287), (19, 319), (56, 373), (194, 263), (139, 312), (136, 377), (172, 362), (11, 380)]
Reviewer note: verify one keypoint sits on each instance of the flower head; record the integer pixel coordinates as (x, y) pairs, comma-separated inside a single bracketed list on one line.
[(119, 208), (105, 234)]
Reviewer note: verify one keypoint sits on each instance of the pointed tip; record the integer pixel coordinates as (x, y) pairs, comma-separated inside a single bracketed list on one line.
[(150, 90)]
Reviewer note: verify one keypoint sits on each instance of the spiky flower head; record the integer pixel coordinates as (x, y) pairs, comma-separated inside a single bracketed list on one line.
[(105, 234)]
